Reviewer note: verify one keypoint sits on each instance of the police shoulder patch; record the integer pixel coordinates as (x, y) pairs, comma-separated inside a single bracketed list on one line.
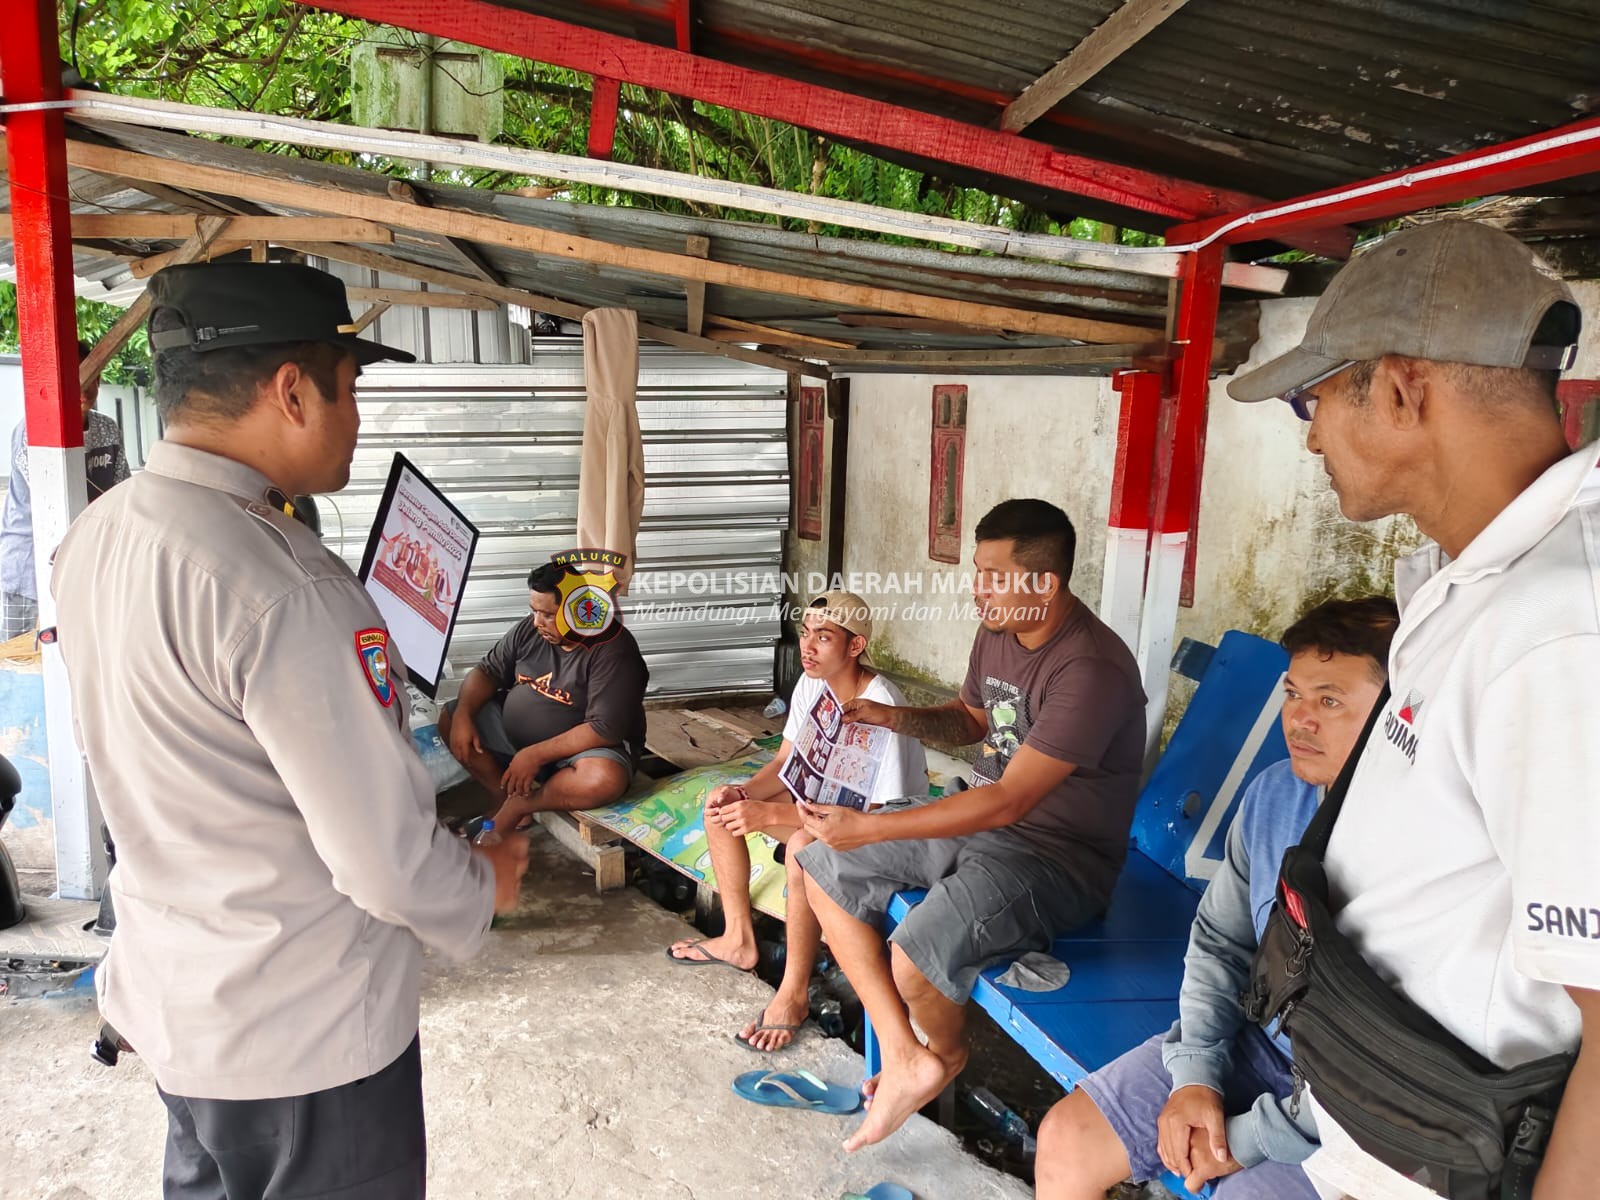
[(372, 648)]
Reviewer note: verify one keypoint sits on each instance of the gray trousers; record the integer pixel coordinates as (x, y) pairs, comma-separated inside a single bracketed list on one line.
[(359, 1141)]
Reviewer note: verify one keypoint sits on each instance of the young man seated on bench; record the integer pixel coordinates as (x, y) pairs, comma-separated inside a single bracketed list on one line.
[(1034, 850), (833, 641), (1213, 1097), (545, 725)]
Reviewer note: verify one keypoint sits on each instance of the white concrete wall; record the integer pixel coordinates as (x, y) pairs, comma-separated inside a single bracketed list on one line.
[(1271, 538)]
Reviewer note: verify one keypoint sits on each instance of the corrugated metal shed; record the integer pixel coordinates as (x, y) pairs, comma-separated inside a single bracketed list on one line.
[(1274, 99), (504, 444)]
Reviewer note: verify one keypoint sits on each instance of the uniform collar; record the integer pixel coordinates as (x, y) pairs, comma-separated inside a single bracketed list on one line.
[(214, 471), (1519, 527)]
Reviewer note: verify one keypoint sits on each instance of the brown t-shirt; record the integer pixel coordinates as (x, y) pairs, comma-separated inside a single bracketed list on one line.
[(1077, 698), (549, 690)]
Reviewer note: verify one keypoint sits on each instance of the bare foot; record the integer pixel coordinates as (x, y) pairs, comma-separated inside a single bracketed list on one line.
[(729, 949), (902, 1089), (869, 1088), (783, 1010)]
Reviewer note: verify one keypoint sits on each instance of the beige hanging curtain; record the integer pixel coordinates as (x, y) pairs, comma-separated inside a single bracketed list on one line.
[(611, 474)]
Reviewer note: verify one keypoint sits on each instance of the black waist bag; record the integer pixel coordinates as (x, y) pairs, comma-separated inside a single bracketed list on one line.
[(1408, 1091)]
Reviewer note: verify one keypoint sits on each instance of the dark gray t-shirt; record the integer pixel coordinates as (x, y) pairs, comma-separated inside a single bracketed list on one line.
[(549, 690), (1077, 698)]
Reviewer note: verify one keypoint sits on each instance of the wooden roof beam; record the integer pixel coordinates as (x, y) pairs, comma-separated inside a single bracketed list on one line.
[(1104, 45), (562, 308), (497, 231)]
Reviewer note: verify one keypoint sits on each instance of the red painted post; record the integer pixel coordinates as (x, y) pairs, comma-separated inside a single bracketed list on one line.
[(810, 106), (30, 71), (603, 99), (683, 25), (1178, 473), (1129, 523)]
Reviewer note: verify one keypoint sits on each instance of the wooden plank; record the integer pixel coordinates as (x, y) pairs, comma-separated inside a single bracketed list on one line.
[(596, 834), (404, 297), (206, 230), (1103, 46), (1047, 356), (735, 329), (173, 227), (609, 863), (145, 267), (686, 740), (561, 308), (371, 315), (747, 722), (463, 252), (695, 290), (494, 231)]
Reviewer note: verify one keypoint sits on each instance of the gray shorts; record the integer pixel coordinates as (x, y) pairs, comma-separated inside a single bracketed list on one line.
[(991, 897), (1130, 1092), (490, 722)]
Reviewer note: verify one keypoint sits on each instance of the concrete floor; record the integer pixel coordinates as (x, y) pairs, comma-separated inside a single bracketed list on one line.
[(570, 1059)]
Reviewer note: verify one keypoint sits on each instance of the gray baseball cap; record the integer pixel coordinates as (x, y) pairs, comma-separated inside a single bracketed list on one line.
[(1451, 291)]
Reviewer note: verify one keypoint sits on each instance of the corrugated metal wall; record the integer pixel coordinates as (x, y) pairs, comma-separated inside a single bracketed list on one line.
[(503, 443)]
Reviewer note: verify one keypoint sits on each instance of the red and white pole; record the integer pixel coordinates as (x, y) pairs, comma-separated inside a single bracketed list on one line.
[(1128, 528), (36, 153), (1177, 477)]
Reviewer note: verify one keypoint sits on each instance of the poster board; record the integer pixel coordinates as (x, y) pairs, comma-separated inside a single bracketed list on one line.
[(415, 567), (834, 762)]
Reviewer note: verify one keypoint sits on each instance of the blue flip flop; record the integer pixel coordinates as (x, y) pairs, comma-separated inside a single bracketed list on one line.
[(881, 1191), (796, 1089)]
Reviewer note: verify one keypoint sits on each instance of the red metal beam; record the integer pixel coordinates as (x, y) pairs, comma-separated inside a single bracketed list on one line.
[(1133, 470), (682, 25), (1183, 457), (1563, 153), (825, 110), (603, 116), (36, 151)]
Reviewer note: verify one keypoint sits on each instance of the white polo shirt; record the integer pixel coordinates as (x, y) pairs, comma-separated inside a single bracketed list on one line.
[(1467, 855)]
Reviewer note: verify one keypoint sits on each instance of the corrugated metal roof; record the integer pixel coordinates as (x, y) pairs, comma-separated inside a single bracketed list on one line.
[(1275, 99)]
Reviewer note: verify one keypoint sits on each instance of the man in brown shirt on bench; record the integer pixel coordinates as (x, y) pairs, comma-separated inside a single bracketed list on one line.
[(1032, 851)]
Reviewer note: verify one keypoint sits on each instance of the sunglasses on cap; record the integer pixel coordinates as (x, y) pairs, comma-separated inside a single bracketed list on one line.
[(1299, 398)]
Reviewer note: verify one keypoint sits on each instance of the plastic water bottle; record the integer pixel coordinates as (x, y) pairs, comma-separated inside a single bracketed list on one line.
[(994, 1113), (487, 836), (825, 1010), (776, 709)]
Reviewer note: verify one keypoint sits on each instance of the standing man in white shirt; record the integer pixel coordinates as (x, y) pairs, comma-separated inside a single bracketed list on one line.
[(1464, 862), (279, 862), (833, 645)]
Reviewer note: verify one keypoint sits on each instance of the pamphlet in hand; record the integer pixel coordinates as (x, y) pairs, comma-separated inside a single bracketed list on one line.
[(833, 762)]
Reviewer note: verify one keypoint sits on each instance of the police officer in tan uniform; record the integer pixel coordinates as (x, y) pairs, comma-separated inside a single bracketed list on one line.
[(279, 862)]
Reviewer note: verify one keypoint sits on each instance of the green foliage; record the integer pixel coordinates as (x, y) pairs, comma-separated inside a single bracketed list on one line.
[(130, 364)]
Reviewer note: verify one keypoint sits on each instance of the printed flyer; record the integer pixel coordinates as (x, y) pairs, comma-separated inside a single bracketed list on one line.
[(833, 762), (415, 567)]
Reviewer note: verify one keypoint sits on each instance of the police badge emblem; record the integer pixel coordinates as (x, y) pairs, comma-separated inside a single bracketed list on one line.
[(586, 607), (372, 648)]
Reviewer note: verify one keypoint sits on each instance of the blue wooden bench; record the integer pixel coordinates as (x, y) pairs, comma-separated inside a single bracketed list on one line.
[(1127, 967)]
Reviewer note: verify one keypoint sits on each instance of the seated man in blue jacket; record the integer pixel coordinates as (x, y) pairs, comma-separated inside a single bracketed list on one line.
[(1214, 1097)]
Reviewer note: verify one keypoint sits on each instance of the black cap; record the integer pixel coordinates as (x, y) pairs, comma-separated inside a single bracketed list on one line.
[(227, 304)]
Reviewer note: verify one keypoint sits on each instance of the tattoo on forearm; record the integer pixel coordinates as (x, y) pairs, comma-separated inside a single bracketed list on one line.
[(952, 726)]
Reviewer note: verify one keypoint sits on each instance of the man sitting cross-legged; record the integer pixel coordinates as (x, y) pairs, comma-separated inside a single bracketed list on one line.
[(1055, 697), (1212, 1097), (546, 725), (833, 642)]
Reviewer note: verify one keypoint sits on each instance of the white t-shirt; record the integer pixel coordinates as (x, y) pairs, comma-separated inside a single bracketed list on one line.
[(904, 771), (1467, 855)]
